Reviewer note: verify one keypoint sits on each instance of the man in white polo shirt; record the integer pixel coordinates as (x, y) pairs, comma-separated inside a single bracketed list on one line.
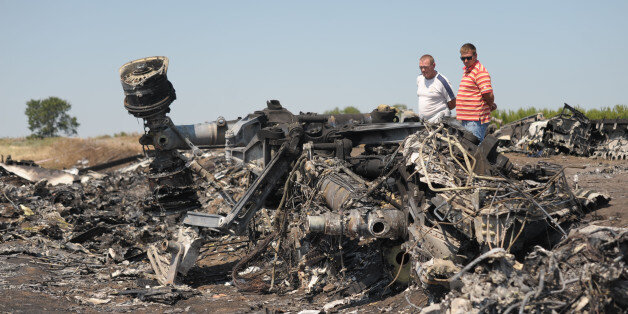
[(436, 97)]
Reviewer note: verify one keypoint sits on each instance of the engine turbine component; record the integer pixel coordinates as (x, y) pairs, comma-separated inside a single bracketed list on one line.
[(148, 95), (146, 87)]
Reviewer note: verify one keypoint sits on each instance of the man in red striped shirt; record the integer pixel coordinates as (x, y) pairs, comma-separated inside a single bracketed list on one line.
[(475, 99)]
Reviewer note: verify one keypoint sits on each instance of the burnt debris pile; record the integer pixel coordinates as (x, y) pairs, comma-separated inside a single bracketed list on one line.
[(585, 272), (571, 132), (435, 212), (336, 211), (97, 228)]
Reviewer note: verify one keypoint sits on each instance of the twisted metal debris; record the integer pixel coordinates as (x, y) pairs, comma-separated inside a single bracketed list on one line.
[(415, 192), (585, 271), (571, 132), (353, 207)]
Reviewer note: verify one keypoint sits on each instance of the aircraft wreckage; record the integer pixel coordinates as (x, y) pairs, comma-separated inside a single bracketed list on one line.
[(336, 189), (349, 206), (570, 132)]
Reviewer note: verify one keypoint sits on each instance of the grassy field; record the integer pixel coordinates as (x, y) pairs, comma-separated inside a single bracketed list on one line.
[(63, 152)]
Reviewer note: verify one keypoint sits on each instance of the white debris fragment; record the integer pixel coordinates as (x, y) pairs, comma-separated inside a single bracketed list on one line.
[(126, 272), (460, 305), (141, 164), (94, 301), (327, 307), (432, 309), (35, 174), (249, 270)]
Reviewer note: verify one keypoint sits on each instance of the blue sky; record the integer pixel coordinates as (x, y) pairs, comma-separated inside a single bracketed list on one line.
[(228, 57)]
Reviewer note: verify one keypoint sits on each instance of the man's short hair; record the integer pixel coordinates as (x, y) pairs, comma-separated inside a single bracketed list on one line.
[(427, 57), (467, 48)]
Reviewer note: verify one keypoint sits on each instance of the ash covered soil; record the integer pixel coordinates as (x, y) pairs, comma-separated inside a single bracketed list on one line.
[(41, 271)]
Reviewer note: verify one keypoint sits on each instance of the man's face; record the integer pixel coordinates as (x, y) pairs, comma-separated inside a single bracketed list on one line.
[(427, 69), (468, 58)]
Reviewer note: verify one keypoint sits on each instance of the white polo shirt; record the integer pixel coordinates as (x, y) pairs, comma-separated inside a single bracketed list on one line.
[(433, 97)]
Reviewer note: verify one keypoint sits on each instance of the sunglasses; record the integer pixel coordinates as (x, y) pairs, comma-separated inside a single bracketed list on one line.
[(466, 58)]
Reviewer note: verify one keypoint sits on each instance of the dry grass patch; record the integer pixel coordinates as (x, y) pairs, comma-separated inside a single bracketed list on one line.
[(63, 152)]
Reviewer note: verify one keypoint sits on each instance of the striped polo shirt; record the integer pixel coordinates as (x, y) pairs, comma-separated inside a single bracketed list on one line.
[(469, 103)]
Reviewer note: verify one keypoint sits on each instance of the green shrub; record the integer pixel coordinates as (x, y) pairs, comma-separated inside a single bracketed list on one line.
[(348, 109)]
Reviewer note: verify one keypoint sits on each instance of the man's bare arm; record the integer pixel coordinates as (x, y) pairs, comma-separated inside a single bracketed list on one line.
[(489, 98), (451, 104)]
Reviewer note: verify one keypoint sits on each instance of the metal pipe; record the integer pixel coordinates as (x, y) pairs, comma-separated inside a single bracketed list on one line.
[(376, 223), (200, 134)]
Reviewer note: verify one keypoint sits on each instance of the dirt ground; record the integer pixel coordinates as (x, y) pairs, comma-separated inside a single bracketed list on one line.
[(29, 285)]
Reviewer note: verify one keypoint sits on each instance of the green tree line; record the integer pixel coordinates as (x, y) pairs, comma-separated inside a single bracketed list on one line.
[(507, 116), (352, 109)]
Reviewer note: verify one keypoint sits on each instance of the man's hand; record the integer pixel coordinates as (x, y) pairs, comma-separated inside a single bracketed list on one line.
[(451, 104), (493, 107)]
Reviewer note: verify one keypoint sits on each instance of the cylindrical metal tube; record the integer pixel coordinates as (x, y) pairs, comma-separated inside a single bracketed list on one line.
[(201, 134), (376, 223), (387, 223), (316, 224)]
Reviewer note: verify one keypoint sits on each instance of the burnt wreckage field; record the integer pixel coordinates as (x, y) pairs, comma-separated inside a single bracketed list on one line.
[(571, 132), (327, 212)]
